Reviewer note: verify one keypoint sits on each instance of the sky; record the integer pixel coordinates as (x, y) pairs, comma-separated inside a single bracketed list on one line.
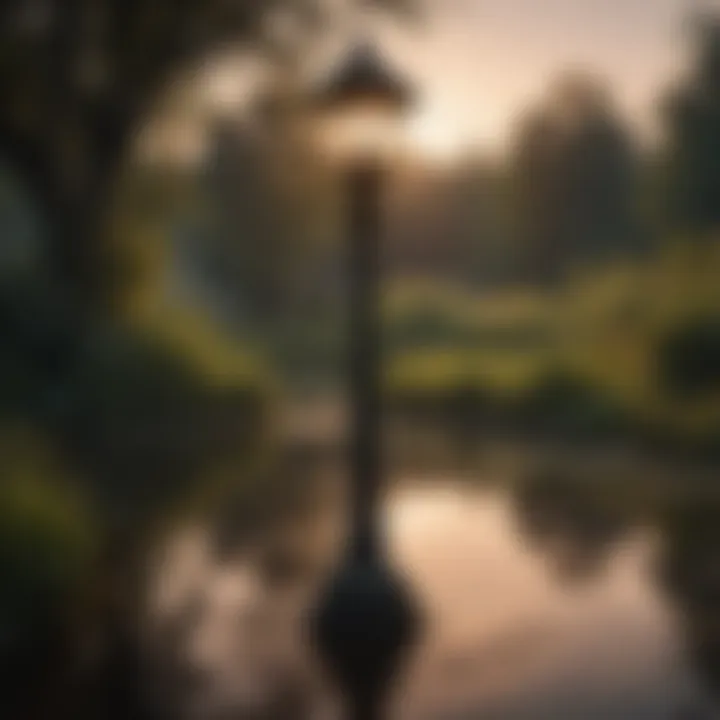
[(480, 63)]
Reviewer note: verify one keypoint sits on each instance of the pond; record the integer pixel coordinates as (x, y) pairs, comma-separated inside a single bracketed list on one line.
[(547, 596)]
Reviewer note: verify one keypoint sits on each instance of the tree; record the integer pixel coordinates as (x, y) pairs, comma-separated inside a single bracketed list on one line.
[(692, 115), (537, 197), (574, 179), (450, 224), (689, 358), (135, 418), (267, 199), (77, 80)]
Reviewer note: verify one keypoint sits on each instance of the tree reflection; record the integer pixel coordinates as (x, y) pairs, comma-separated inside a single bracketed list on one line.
[(577, 524), (569, 521), (689, 573)]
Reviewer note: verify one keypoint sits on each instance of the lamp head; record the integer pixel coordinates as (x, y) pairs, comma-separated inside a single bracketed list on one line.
[(361, 107)]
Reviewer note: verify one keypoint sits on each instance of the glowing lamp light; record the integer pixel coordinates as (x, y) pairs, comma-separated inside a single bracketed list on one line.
[(362, 107)]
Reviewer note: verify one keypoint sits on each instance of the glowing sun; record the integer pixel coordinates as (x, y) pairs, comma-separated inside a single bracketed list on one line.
[(434, 138)]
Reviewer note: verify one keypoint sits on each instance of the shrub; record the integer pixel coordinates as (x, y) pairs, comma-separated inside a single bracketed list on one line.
[(48, 545), (562, 401), (689, 358)]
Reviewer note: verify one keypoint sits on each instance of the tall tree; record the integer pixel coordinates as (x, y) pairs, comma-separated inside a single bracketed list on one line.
[(450, 223), (692, 114), (269, 213), (574, 173)]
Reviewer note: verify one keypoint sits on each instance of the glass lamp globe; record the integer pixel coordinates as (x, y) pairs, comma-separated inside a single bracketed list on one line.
[(361, 108)]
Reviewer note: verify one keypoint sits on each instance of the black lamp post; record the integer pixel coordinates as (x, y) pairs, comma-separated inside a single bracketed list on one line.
[(366, 619)]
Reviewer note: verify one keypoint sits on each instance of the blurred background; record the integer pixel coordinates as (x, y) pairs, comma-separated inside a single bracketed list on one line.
[(172, 357)]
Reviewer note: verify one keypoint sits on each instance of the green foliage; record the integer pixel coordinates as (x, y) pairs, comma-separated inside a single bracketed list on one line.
[(76, 88), (574, 180), (626, 349), (562, 402), (690, 358), (48, 539), (441, 316), (154, 413), (144, 407), (265, 232), (40, 503), (440, 339), (693, 124)]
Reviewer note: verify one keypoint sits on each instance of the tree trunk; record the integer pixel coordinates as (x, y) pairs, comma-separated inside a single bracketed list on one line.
[(115, 687), (70, 177)]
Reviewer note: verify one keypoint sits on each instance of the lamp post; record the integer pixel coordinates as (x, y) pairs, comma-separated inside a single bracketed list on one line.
[(366, 619)]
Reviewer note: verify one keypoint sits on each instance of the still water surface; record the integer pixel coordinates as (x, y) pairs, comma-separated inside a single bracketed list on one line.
[(538, 607)]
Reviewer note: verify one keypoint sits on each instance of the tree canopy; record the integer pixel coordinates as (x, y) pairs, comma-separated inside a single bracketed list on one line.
[(692, 115), (574, 173), (78, 79)]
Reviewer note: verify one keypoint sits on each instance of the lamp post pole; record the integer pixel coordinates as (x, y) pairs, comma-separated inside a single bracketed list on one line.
[(366, 620), (364, 190)]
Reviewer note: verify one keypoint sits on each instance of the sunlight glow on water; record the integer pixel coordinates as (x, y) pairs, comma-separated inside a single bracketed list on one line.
[(505, 635), (503, 626)]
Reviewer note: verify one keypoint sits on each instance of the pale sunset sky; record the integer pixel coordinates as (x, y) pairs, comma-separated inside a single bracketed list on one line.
[(479, 63)]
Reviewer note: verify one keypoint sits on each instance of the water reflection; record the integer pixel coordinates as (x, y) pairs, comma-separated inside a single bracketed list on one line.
[(689, 571), (566, 517), (551, 594)]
